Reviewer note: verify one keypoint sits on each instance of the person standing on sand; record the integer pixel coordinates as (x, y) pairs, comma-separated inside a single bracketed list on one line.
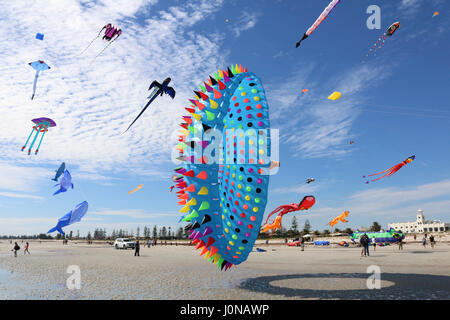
[(362, 242), (424, 241), (374, 243), (302, 243), (149, 242), (27, 245), (15, 249), (136, 248), (367, 242), (432, 241), (400, 243)]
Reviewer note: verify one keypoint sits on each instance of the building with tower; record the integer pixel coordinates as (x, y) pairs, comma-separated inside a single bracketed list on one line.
[(421, 225)]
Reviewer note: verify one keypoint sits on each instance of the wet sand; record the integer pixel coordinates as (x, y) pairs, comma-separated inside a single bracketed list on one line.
[(177, 272)]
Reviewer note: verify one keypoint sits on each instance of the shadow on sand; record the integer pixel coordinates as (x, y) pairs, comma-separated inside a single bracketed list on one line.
[(405, 286)]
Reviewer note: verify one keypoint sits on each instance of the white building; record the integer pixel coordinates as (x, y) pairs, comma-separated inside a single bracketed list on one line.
[(421, 225)]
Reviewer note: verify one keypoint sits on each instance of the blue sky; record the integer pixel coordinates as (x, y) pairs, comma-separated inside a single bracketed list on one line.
[(394, 105)]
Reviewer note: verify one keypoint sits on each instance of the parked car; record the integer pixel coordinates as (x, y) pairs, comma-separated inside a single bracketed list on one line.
[(124, 243)]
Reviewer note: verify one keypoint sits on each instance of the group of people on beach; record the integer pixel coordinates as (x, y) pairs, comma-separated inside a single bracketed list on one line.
[(365, 244), (17, 248)]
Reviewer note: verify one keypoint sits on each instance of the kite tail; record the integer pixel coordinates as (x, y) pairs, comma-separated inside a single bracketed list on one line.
[(91, 43), (58, 191), (105, 48), (34, 84)]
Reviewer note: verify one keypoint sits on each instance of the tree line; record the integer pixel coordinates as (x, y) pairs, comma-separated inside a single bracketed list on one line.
[(168, 233)]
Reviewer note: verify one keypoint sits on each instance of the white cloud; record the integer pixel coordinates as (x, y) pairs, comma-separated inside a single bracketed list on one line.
[(324, 126), (133, 213), (19, 195), (21, 178), (93, 103), (246, 21)]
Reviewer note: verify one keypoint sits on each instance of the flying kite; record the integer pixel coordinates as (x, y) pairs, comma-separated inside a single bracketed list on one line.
[(340, 217), (42, 125), (171, 188), (39, 36), (306, 203), (139, 187), (60, 171), (335, 96), (392, 170), (38, 66), (73, 216), (389, 32), (309, 180), (381, 236), (65, 183), (304, 90), (352, 142), (224, 201), (435, 13), (319, 20), (111, 34), (158, 89), (274, 164)]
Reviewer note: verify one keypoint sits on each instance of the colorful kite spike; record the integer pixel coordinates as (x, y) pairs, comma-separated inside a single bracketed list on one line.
[(335, 96), (42, 126), (227, 188), (39, 36)]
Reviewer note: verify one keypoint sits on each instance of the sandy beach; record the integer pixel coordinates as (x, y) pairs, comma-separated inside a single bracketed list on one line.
[(177, 272)]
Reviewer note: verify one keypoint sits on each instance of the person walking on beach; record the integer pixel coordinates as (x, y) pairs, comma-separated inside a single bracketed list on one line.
[(149, 242), (302, 243), (432, 241), (136, 249), (374, 243), (15, 249), (27, 245), (424, 241)]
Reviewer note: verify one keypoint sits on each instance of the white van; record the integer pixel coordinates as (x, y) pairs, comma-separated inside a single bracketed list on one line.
[(124, 243)]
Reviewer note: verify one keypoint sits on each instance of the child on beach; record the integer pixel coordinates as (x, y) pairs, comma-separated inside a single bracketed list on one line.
[(15, 249), (424, 241), (27, 245)]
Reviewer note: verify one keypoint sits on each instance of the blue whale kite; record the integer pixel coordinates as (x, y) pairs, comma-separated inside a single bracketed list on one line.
[(60, 171), (73, 216), (65, 183)]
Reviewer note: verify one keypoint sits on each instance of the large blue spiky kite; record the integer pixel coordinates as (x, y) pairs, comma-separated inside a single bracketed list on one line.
[(224, 177)]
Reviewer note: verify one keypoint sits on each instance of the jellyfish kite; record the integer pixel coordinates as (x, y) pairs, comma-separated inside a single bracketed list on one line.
[(158, 89), (73, 216), (38, 66), (319, 20), (224, 192), (389, 32), (110, 35), (340, 217), (306, 203), (392, 170), (65, 183), (42, 126)]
